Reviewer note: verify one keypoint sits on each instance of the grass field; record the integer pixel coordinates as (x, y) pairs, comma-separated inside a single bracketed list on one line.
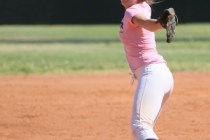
[(90, 48)]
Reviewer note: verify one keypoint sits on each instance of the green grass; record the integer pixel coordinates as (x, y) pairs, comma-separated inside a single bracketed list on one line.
[(82, 48), (190, 31), (60, 58), (187, 56), (41, 32), (58, 32)]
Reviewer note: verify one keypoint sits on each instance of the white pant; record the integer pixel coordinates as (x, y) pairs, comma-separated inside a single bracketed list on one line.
[(155, 84)]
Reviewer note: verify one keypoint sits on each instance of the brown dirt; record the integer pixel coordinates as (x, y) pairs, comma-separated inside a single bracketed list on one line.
[(97, 107)]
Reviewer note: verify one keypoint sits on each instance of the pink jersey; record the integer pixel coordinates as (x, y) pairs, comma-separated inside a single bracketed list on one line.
[(139, 43)]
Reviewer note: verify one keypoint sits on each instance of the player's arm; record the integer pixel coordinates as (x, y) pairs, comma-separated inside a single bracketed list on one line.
[(149, 24)]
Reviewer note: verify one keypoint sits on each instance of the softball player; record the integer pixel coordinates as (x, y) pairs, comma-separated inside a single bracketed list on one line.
[(155, 81)]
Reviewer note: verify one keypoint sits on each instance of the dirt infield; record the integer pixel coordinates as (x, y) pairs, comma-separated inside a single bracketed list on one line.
[(97, 107)]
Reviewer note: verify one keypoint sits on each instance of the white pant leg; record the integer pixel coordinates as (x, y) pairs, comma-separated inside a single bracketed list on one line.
[(154, 87)]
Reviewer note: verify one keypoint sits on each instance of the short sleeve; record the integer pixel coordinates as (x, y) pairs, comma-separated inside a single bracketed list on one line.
[(132, 11)]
